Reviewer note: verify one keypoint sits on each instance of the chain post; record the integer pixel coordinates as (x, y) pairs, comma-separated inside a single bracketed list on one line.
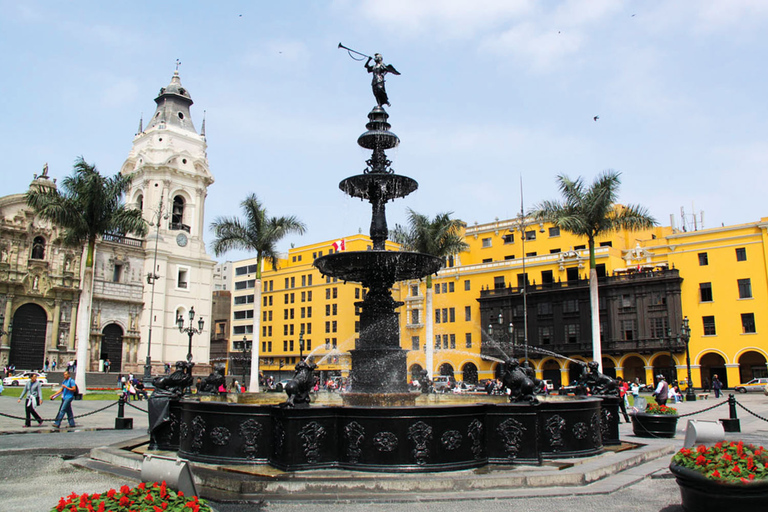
[(731, 424), (122, 423)]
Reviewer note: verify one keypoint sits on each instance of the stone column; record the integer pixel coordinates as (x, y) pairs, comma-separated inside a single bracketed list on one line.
[(649, 377), (619, 371), (55, 328), (72, 326), (6, 341), (734, 376)]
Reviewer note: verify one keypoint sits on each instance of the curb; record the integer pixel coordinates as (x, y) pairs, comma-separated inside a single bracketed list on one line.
[(601, 474)]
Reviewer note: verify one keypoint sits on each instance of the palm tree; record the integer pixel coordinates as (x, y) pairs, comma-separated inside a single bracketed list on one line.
[(590, 212), (87, 206), (441, 237), (259, 233)]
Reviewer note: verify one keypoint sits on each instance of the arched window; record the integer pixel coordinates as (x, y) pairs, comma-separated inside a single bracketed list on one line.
[(140, 202), (177, 214), (38, 248)]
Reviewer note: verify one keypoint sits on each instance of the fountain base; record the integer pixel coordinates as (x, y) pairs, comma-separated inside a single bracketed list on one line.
[(407, 439), (379, 399)]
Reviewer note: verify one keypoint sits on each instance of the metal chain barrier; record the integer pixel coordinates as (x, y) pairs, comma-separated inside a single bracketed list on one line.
[(53, 419), (703, 410), (752, 413), (135, 407)]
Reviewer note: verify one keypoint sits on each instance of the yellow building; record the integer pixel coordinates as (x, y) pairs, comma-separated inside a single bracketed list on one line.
[(650, 281)]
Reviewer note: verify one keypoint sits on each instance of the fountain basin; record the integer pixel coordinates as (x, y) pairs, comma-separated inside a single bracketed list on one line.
[(391, 439), (388, 266)]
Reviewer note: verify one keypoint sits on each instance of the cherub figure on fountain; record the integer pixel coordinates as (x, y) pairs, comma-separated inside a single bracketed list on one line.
[(300, 385), (175, 384), (597, 383), (213, 382), (425, 383), (521, 387)]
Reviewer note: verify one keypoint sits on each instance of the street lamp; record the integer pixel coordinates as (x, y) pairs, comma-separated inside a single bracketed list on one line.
[(510, 330), (190, 330), (151, 278), (685, 332)]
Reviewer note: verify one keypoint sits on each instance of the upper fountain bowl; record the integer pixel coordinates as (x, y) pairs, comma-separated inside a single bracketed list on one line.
[(384, 266)]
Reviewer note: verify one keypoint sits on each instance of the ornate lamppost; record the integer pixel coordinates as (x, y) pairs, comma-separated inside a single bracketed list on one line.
[(301, 344), (685, 332), (190, 330), (510, 330)]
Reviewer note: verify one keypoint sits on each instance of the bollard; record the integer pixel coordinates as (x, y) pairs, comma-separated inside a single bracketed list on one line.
[(122, 423), (731, 424)]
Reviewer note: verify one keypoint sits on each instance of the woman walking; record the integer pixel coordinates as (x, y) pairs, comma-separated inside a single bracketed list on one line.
[(33, 391)]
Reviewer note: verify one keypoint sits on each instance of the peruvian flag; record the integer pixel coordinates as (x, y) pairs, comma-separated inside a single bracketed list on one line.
[(339, 245)]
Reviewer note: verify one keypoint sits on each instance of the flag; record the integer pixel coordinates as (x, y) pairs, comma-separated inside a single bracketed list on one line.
[(339, 245)]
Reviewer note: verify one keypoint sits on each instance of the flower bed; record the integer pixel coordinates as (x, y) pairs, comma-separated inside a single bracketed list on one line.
[(146, 497), (726, 476), (654, 408), (729, 462), (656, 421)]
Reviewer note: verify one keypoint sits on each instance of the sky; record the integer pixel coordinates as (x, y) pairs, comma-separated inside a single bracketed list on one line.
[(670, 94)]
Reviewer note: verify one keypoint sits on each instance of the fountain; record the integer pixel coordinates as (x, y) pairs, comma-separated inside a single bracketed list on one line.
[(381, 425)]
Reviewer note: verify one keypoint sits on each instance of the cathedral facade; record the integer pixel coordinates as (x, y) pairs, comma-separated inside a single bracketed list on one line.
[(141, 286)]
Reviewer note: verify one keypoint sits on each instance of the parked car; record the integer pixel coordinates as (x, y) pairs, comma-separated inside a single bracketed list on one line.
[(22, 378), (280, 386), (443, 383), (755, 385)]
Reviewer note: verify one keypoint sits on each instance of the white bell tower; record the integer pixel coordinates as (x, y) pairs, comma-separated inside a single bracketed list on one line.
[(169, 173)]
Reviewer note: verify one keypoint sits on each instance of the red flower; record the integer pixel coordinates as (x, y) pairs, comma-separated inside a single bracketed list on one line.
[(736, 469), (101, 507), (142, 486), (700, 460), (716, 474), (701, 449), (124, 501), (62, 505), (111, 493), (728, 457), (125, 489)]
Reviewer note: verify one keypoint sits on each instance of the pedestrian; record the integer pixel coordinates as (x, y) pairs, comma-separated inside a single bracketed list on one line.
[(47, 365), (53, 365), (237, 387), (68, 391), (716, 385), (106, 365), (635, 390), (33, 391), (622, 386), (662, 391)]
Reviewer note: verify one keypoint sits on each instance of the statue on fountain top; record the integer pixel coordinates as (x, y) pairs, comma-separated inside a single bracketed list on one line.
[(597, 383), (379, 70)]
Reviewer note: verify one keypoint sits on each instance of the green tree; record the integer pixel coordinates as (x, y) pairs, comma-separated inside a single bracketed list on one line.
[(87, 205), (260, 233), (590, 211), (441, 237)]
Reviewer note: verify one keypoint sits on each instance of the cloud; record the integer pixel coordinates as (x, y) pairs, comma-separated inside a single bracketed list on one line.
[(446, 18)]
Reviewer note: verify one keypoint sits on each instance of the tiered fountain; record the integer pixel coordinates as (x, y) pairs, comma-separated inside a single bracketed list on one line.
[(378, 428)]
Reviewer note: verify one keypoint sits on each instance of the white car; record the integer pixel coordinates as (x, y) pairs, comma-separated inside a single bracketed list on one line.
[(22, 378)]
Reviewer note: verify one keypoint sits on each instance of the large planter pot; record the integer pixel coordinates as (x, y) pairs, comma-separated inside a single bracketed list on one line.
[(654, 425), (701, 494)]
